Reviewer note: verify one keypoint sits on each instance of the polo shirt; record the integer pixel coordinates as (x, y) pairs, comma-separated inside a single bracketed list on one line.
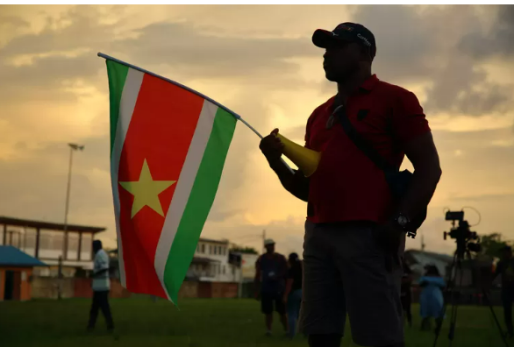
[(347, 185)]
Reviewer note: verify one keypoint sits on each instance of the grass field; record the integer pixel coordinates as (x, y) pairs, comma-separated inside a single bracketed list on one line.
[(211, 322)]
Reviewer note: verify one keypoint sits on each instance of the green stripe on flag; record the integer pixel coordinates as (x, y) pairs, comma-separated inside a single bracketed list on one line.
[(199, 203), (117, 75)]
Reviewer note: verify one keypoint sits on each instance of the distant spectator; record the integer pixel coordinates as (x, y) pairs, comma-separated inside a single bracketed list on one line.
[(431, 299), (406, 295), (505, 268), (270, 275), (293, 292), (101, 287)]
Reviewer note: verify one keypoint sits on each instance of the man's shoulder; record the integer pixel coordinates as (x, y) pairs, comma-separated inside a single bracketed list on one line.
[(324, 107), (101, 254), (393, 90)]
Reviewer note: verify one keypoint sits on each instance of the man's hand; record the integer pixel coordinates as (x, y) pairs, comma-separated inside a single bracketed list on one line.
[(272, 147)]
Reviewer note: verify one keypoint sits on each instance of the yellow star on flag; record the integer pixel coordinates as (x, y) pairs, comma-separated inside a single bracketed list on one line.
[(146, 191)]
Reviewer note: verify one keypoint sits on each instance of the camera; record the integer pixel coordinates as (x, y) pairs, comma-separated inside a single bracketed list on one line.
[(462, 235)]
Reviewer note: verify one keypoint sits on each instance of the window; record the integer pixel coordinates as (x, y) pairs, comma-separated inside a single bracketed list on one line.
[(223, 271), (203, 248), (210, 249)]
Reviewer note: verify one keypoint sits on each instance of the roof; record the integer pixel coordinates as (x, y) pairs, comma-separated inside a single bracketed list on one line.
[(222, 242), (204, 260), (421, 258), (48, 225), (12, 256)]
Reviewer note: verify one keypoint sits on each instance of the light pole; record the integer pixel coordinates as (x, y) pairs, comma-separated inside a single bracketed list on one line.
[(73, 147)]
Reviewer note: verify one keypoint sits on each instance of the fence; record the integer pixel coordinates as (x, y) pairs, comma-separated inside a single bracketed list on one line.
[(47, 288)]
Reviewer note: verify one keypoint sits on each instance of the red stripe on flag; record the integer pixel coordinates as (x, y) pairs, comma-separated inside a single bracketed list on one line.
[(161, 130)]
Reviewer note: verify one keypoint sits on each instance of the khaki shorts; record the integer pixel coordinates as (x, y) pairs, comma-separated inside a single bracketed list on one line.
[(345, 273)]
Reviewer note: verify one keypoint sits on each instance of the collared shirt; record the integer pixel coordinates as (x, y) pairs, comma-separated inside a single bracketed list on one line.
[(101, 282), (347, 185)]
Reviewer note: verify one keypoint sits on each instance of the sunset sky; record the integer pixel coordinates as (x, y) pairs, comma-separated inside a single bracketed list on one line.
[(258, 61)]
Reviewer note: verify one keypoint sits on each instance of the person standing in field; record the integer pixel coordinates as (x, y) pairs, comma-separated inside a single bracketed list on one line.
[(293, 292), (431, 300), (270, 275), (356, 222), (101, 287)]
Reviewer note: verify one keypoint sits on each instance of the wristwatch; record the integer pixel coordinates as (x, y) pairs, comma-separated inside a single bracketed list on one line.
[(402, 221)]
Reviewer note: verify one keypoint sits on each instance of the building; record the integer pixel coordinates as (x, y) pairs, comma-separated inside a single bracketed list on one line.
[(16, 269), (210, 262), (46, 241), (417, 260)]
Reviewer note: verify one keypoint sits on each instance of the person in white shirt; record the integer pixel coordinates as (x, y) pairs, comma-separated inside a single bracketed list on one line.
[(101, 287)]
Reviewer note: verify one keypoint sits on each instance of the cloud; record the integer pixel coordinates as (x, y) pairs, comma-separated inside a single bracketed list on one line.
[(414, 50), (204, 55), (462, 87), (497, 41)]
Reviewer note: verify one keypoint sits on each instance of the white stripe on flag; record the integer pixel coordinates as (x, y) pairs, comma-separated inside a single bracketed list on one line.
[(128, 102), (184, 186)]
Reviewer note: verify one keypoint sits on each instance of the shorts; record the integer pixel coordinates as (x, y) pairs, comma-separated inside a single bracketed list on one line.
[(345, 273), (269, 300)]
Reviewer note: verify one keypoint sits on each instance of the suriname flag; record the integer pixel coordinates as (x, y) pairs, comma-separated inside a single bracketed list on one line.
[(168, 149)]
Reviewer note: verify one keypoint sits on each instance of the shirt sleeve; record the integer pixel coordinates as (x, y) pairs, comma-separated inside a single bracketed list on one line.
[(101, 262), (409, 120)]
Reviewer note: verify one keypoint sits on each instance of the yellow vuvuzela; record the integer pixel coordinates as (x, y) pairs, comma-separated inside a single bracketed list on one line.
[(306, 159)]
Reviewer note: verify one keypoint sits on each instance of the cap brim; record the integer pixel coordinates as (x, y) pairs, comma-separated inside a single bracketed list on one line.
[(324, 38)]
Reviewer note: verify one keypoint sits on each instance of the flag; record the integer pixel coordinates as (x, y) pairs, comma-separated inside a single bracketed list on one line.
[(168, 149)]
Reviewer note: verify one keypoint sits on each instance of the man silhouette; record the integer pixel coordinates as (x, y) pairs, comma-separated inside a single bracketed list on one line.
[(270, 276), (101, 287)]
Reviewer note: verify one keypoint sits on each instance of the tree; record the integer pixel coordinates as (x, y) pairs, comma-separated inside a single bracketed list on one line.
[(246, 250), (492, 245)]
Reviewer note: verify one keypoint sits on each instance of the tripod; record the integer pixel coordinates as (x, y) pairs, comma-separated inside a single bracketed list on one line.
[(457, 266)]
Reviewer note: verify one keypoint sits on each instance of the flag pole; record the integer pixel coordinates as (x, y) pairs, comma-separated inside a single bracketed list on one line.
[(238, 117)]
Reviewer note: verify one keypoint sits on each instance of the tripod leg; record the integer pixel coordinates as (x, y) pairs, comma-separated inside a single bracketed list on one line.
[(502, 335)]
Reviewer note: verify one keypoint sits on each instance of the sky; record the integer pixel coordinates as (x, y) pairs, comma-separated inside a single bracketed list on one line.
[(260, 62)]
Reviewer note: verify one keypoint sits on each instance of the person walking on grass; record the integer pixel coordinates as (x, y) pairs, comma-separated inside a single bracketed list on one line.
[(270, 275), (356, 218), (431, 299), (293, 292), (101, 287)]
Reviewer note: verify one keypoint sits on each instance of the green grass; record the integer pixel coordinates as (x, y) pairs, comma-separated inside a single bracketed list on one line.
[(201, 322)]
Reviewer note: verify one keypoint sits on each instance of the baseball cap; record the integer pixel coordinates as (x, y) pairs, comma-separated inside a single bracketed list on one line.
[(268, 242), (346, 32)]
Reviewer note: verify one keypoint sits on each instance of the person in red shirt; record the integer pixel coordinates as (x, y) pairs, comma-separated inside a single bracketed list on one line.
[(356, 226)]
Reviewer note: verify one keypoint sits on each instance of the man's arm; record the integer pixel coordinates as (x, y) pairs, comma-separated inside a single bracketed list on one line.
[(297, 184), (257, 279), (413, 132), (423, 155)]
